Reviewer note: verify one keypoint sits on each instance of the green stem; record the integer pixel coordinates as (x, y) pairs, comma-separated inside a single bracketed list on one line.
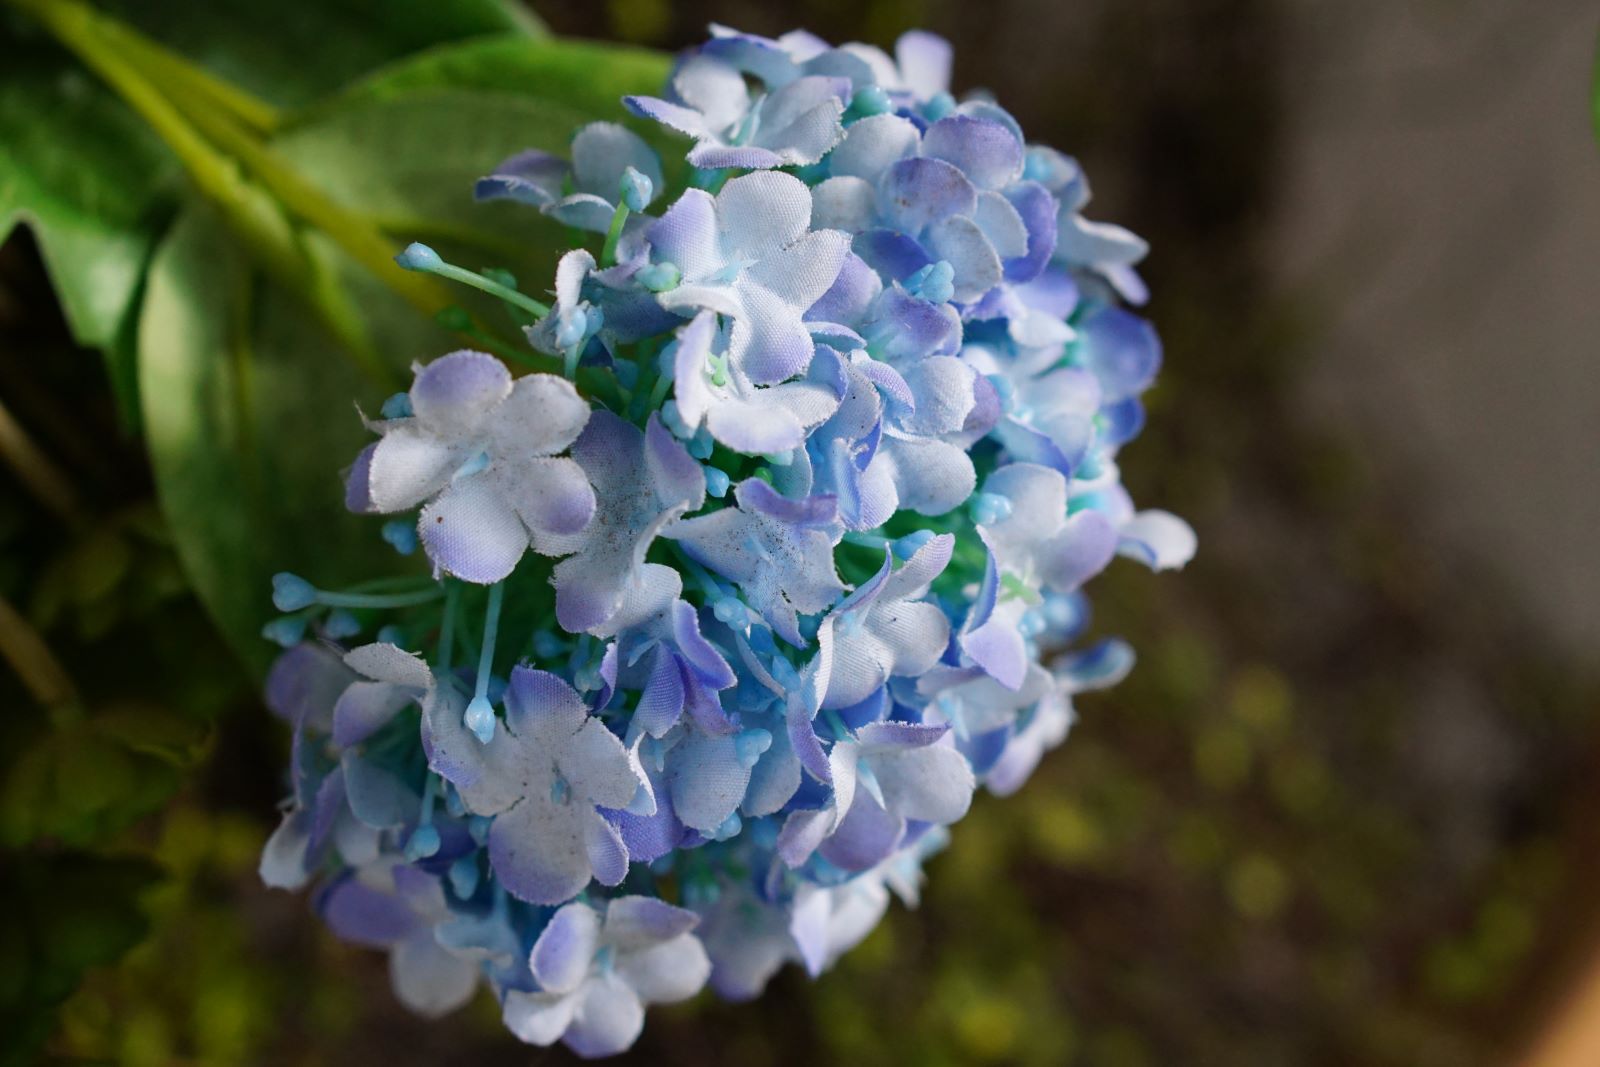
[(608, 254), (486, 285), (491, 627), (365, 600), (36, 470), (447, 627), (190, 81), (32, 659)]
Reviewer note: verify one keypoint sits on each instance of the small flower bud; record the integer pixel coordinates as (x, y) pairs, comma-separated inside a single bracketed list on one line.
[(637, 190)]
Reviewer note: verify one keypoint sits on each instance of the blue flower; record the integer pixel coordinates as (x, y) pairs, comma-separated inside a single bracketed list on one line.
[(714, 391), (885, 628), (645, 482), (391, 905), (603, 153), (542, 778), (479, 451), (748, 254), (793, 125), (597, 971), (777, 550), (778, 697), (887, 774)]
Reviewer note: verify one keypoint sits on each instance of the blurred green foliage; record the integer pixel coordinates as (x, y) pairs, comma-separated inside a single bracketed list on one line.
[(1325, 821)]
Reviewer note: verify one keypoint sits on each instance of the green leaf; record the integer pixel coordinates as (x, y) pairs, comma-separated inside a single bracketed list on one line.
[(96, 186), (586, 76), (81, 170), (248, 404), (293, 57), (65, 914)]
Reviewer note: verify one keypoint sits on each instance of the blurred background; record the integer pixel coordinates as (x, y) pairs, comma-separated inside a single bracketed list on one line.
[(1343, 812)]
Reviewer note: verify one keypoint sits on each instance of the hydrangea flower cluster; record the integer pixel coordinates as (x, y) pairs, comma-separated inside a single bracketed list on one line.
[(728, 620)]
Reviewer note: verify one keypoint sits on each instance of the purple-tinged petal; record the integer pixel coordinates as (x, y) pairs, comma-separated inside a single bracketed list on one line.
[(471, 531), (686, 235), (537, 850), (1158, 539), (865, 837), (924, 60), (363, 915), (707, 780), (1078, 552), (358, 482), (984, 150), (531, 177), (456, 390), (607, 852), (636, 922), (915, 193), (1037, 210), (895, 256), (551, 495), (566, 947), (365, 708), (1122, 349)]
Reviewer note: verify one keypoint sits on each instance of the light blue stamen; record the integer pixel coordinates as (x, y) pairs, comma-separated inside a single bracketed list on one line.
[(990, 508), (286, 630), (340, 625), (717, 482), (480, 713), (397, 406), (464, 875), (290, 592), (660, 277), (401, 536)]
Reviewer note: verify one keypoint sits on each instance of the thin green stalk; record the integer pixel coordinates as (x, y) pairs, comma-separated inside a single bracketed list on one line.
[(37, 471), (32, 659), (191, 82)]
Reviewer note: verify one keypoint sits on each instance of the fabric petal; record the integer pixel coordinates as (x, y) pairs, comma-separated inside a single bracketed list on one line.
[(760, 214), (537, 850), (634, 922), (602, 151), (686, 235), (408, 466), (471, 531), (961, 243), (866, 836), (915, 193), (1158, 539), (933, 784), (667, 973), (608, 1018), (455, 391), (543, 413), (984, 150), (872, 145), (707, 780), (538, 1018), (596, 766), (428, 979)]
